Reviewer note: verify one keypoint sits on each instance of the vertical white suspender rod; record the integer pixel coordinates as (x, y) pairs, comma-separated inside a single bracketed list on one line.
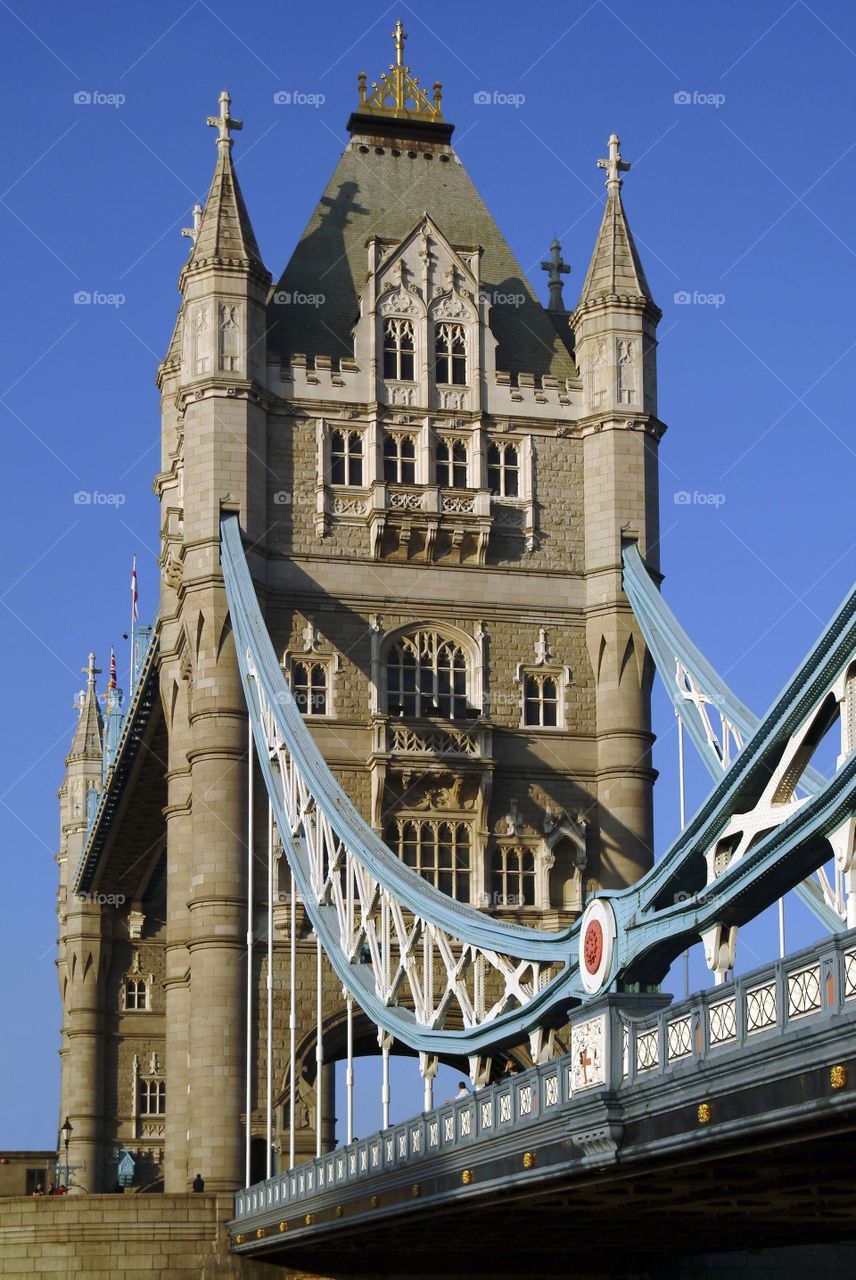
[(270, 994), (292, 1025), (249, 1097), (682, 805), (349, 1073), (319, 1043), (386, 1043)]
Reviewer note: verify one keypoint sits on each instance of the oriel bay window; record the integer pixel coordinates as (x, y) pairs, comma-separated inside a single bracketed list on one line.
[(438, 850), (452, 463), (398, 350), (426, 676), (346, 458), (399, 458), (450, 354)]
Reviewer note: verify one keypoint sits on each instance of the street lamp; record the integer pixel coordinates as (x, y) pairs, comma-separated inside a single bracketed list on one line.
[(66, 1132)]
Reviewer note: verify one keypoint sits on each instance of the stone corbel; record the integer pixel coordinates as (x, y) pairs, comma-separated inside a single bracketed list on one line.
[(430, 539)]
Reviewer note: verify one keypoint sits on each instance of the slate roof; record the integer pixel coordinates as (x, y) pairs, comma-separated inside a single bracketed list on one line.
[(385, 195), (615, 266), (226, 230)]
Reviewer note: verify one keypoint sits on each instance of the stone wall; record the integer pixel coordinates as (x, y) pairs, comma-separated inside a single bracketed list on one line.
[(125, 1237)]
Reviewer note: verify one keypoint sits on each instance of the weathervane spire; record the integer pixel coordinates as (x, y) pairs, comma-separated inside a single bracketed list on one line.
[(225, 122), (614, 165)]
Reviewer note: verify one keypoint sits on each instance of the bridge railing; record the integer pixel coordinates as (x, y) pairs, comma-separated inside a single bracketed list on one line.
[(613, 1051), (817, 981)]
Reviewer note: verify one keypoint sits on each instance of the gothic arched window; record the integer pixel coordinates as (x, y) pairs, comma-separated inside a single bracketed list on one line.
[(426, 676), (450, 353), (503, 470), (438, 850), (512, 877), (399, 458), (152, 1097), (136, 994), (346, 458), (541, 701), (452, 463), (398, 350), (310, 686)]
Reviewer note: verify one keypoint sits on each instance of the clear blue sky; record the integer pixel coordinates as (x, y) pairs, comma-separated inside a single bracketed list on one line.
[(741, 197)]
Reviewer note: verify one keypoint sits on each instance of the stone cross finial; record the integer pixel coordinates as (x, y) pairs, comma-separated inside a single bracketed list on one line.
[(225, 122), (614, 165), (193, 232), (91, 671), (555, 269)]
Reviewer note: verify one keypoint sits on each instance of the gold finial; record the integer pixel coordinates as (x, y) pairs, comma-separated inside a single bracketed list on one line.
[(399, 37), (398, 93)]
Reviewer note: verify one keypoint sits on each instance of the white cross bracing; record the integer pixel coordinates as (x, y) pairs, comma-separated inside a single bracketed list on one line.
[(414, 963), (725, 746)]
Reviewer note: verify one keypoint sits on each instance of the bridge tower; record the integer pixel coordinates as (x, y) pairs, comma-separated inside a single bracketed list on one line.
[(433, 474), (84, 949)]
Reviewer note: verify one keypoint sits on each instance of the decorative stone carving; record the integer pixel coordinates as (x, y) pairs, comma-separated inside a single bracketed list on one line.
[(588, 1053)]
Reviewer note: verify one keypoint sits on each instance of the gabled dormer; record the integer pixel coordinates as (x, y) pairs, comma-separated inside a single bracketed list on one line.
[(423, 323)]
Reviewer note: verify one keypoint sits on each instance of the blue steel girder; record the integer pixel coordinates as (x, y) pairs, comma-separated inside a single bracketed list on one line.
[(378, 920), (693, 685)]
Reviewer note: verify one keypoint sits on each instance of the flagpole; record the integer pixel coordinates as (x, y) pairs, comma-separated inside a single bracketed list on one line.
[(132, 681)]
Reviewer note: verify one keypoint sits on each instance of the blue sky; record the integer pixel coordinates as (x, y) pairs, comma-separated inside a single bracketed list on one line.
[(740, 122)]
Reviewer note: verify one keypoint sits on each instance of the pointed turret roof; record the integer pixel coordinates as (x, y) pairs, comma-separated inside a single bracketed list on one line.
[(225, 230), (615, 268), (398, 165), (87, 741)]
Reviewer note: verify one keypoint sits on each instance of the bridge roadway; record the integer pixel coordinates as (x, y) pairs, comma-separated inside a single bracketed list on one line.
[(727, 1119)]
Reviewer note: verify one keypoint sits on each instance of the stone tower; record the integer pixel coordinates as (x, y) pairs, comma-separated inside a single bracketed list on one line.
[(434, 474), (84, 948)]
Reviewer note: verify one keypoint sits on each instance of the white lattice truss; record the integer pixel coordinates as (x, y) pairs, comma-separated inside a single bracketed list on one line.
[(778, 801), (413, 962), (725, 746), (729, 735)]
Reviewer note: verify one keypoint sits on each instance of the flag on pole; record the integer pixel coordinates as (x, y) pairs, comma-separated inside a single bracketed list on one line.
[(134, 596), (111, 683)]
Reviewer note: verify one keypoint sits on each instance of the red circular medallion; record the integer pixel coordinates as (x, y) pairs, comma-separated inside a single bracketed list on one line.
[(593, 946)]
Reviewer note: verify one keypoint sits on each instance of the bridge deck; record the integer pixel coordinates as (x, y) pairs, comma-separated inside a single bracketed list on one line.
[(727, 1108)]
